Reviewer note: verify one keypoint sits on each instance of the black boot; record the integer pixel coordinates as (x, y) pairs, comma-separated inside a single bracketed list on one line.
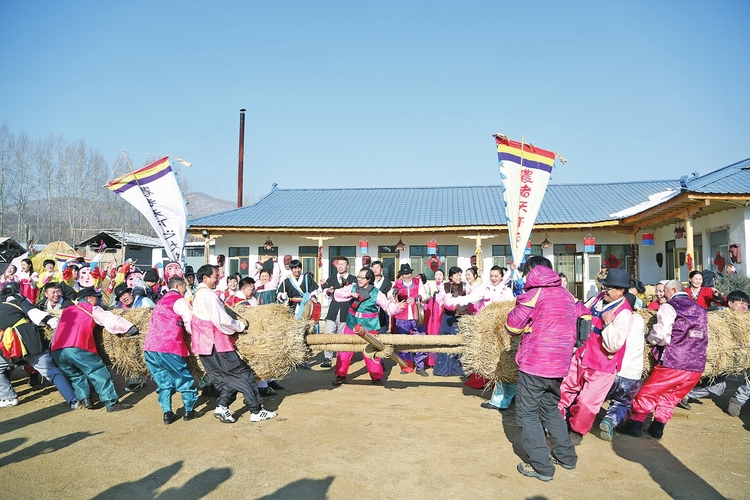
[(632, 428), (656, 429)]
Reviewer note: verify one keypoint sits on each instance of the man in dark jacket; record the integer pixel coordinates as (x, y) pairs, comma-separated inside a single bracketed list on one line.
[(337, 311)]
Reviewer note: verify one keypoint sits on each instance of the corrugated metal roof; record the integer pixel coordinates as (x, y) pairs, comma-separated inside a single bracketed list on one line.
[(125, 238), (733, 179), (429, 207)]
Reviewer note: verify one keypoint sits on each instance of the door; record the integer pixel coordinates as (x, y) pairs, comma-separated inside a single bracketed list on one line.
[(587, 265), (390, 261)]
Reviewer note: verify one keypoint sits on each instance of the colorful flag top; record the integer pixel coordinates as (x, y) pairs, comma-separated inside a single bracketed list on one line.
[(525, 171), (154, 192)]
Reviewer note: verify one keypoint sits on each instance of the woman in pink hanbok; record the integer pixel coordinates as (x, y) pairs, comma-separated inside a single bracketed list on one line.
[(433, 312)]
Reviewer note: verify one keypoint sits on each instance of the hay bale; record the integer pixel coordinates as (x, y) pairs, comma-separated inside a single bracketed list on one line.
[(488, 349), (274, 342), (728, 350)]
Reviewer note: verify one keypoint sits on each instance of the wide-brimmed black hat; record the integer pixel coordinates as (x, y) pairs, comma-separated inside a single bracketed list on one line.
[(617, 278), (121, 289), (405, 269), (89, 291), (189, 271)]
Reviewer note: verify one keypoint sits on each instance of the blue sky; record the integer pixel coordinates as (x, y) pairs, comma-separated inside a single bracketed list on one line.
[(382, 94)]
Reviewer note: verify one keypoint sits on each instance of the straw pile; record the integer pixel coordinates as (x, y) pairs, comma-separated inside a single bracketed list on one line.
[(728, 343), (273, 344), (488, 349), (49, 253)]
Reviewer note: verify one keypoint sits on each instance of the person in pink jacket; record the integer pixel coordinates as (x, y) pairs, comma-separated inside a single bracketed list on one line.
[(595, 364), (166, 352), (74, 349), (213, 340), (545, 315)]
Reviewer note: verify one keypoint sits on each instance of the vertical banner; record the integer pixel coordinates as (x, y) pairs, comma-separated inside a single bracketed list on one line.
[(525, 171), (154, 192)]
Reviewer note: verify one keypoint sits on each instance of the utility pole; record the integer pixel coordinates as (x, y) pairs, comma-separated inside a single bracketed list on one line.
[(240, 164)]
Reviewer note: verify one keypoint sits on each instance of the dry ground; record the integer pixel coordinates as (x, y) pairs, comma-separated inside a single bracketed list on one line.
[(414, 438)]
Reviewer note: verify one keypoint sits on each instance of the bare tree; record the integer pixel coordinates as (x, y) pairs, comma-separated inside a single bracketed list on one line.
[(6, 146)]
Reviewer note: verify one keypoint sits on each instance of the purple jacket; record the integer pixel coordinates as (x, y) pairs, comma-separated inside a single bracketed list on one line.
[(546, 314), (688, 347)]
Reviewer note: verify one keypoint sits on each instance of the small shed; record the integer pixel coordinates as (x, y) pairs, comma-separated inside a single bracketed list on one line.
[(121, 246)]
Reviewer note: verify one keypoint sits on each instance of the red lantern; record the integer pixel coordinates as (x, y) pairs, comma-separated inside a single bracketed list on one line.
[(432, 246), (589, 244)]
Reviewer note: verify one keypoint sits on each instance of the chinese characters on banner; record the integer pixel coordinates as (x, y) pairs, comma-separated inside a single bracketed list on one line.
[(154, 192), (525, 171)]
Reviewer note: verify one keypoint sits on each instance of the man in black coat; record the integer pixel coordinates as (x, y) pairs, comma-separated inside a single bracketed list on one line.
[(337, 311)]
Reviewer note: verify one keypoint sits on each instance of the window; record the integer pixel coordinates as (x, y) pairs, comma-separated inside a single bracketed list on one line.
[(423, 263), (719, 248), (340, 251), (502, 254), (308, 255), (239, 260), (615, 256)]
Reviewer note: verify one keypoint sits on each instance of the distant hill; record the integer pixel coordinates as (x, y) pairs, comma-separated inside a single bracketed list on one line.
[(200, 204)]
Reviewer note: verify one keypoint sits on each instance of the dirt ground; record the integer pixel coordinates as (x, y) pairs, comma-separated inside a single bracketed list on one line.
[(414, 438)]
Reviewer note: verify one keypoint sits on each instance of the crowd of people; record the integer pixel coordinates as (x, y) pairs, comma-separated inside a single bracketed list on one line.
[(572, 358)]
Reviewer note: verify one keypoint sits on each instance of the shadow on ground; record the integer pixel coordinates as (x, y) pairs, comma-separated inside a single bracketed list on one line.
[(146, 488), (40, 448), (303, 489)]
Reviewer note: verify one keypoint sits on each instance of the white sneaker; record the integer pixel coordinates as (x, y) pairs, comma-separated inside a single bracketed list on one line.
[(263, 414), (224, 415), (4, 403)]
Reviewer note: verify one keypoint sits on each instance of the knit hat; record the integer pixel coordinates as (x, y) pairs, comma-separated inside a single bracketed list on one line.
[(151, 275)]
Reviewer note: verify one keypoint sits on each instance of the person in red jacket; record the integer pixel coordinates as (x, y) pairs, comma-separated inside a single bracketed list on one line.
[(74, 350), (704, 296)]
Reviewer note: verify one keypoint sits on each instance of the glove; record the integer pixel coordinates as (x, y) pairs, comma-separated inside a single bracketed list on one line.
[(132, 331), (53, 322)]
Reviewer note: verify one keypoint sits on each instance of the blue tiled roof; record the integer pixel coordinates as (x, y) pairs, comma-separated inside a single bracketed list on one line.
[(734, 179), (430, 207)]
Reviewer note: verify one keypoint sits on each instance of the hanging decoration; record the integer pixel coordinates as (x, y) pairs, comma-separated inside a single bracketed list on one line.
[(320, 256), (268, 245), (735, 255), (400, 245), (647, 239), (679, 232), (364, 245), (613, 262), (433, 263), (546, 243), (720, 262), (431, 246), (659, 259), (589, 243), (689, 262)]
